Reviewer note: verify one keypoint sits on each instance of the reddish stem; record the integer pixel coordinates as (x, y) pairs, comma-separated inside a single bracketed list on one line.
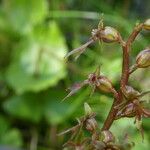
[(126, 46)]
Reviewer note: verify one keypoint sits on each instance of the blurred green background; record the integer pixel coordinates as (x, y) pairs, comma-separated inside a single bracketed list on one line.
[(34, 37)]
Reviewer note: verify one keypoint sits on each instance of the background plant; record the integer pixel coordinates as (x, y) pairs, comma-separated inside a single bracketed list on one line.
[(34, 37)]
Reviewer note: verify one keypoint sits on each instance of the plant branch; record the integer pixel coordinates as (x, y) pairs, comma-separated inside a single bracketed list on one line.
[(126, 46), (133, 68), (111, 117)]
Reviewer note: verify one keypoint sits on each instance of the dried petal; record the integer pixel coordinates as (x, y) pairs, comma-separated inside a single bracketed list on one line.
[(72, 129), (80, 50), (75, 88), (143, 59)]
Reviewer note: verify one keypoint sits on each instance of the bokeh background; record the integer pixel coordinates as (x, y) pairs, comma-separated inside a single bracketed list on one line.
[(34, 37)]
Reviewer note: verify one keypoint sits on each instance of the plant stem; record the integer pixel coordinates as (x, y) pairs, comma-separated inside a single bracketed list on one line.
[(110, 117), (125, 66), (126, 48), (124, 77), (133, 68)]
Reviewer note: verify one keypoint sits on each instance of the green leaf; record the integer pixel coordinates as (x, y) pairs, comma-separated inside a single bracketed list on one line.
[(12, 138), (9, 136), (4, 125), (57, 112), (39, 60), (27, 107), (34, 107), (23, 14)]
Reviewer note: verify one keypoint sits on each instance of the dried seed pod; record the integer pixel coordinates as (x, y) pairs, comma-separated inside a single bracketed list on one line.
[(146, 25), (104, 84), (107, 137), (143, 59), (109, 35), (87, 109), (91, 124), (130, 93)]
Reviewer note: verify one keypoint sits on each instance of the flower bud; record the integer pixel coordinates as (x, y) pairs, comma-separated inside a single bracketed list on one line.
[(130, 93), (146, 25), (143, 59), (109, 35), (87, 109), (91, 124), (105, 84), (107, 136)]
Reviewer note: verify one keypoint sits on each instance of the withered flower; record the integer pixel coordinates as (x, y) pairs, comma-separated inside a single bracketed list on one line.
[(77, 141), (75, 88), (134, 109), (96, 81), (130, 93), (106, 34)]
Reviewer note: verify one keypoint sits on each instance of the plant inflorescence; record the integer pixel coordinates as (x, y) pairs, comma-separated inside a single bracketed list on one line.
[(127, 100)]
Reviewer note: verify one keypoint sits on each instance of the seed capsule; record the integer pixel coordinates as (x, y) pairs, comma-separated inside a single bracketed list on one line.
[(109, 35), (91, 124), (105, 84), (146, 25), (130, 93), (99, 145), (107, 136), (143, 59)]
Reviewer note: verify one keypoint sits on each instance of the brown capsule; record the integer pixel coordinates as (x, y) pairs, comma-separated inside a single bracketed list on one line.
[(91, 124), (146, 25), (130, 93), (143, 59), (104, 84), (107, 137), (109, 35)]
